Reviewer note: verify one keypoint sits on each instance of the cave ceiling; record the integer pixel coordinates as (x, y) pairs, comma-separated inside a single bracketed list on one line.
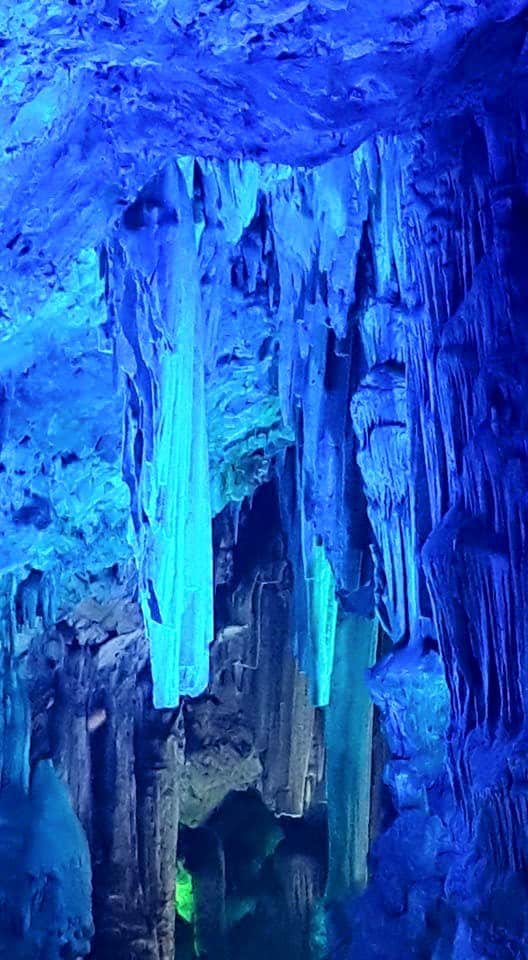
[(96, 94)]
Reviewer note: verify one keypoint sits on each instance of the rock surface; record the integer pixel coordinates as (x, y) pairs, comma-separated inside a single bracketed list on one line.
[(135, 773)]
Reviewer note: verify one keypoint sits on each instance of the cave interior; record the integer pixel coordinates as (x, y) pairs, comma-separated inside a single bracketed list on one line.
[(264, 480)]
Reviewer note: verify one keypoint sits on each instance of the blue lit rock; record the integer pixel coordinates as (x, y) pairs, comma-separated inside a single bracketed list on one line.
[(279, 241), (45, 882), (97, 95)]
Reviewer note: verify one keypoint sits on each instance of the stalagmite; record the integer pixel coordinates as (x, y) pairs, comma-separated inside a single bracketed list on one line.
[(45, 880), (348, 732)]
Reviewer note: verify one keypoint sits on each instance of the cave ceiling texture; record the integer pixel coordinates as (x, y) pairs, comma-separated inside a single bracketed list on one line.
[(264, 479)]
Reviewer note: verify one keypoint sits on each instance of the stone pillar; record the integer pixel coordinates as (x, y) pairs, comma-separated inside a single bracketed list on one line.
[(348, 731)]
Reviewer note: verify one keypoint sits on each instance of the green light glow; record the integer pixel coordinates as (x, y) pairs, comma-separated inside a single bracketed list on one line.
[(184, 894)]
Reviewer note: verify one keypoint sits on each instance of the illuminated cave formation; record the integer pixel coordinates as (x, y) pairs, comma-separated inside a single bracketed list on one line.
[(264, 480)]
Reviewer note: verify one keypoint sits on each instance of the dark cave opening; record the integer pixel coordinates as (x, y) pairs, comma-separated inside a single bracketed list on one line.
[(256, 879)]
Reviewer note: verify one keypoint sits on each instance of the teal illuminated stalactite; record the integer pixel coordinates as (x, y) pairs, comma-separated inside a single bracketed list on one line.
[(323, 608), (156, 288), (349, 721), (315, 603), (179, 563)]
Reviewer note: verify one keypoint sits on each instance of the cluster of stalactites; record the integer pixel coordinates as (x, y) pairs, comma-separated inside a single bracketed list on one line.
[(204, 245)]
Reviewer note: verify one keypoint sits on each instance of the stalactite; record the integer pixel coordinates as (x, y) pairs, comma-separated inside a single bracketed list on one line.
[(323, 621), (166, 456), (348, 732)]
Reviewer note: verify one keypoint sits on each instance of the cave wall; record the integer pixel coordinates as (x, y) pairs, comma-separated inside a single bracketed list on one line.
[(440, 422), (46, 880)]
